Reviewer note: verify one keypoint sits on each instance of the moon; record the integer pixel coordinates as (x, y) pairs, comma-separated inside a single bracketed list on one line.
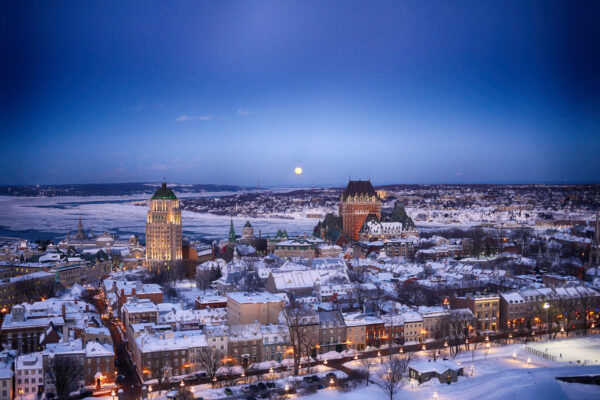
[(298, 171)]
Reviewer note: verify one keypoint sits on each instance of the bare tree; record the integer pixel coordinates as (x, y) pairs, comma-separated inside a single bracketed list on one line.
[(210, 361), (64, 373), (457, 325), (366, 364), (161, 372), (297, 318), (404, 359), (389, 381)]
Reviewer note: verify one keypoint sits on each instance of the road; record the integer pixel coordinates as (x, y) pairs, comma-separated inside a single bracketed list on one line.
[(131, 384)]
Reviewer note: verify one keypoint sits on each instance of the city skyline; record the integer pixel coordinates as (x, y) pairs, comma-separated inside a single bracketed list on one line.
[(234, 93)]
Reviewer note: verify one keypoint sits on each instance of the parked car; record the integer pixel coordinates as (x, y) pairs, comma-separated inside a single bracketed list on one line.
[(271, 385), (201, 375), (189, 378), (245, 389), (254, 388), (307, 379), (331, 375), (320, 387), (228, 391), (265, 395), (315, 378), (261, 386)]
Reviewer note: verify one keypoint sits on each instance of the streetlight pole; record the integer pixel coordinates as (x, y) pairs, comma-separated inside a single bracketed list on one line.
[(546, 307)]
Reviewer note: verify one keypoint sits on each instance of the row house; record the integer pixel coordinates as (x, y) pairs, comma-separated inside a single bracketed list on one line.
[(522, 308), (245, 343), (275, 342), (29, 374), (174, 353), (414, 331), (485, 308), (434, 322), (364, 331), (332, 331)]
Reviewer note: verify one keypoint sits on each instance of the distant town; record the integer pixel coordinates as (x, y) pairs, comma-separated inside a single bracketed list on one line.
[(394, 287)]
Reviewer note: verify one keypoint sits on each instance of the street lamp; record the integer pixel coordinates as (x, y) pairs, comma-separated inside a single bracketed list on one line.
[(325, 362), (112, 393), (149, 391), (181, 384), (401, 350), (546, 307), (21, 391), (472, 369), (514, 355), (356, 356), (435, 396), (529, 361)]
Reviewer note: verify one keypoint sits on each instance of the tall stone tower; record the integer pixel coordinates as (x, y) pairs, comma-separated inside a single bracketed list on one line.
[(163, 230), (357, 202)]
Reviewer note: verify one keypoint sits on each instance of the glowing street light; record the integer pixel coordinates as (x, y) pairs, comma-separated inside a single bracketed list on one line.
[(401, 350), (514, 355), (271, 370), (529, 361), (325, 362), (112, 393), (435, 396), (181, 384), (356, 356), (472, 369), (287, 387)]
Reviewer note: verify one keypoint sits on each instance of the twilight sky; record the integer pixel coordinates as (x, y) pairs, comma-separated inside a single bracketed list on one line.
[(241, 92)]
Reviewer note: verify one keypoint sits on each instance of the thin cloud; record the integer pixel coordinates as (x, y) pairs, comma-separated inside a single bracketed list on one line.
[(242, 111), (187, 118)]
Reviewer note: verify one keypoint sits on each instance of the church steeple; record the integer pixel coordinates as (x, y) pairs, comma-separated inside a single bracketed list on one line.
[(231, 232)]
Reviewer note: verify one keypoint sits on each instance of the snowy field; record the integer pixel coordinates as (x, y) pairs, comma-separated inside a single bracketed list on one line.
[(583, 350), (53, 218), (502, 372)]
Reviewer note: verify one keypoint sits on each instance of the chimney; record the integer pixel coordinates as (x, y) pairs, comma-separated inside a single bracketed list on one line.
[(87, 308), (65, 333), (64, 310), (75, 300), (133, 291)]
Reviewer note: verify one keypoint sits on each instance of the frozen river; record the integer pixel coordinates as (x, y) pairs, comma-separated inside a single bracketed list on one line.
[(53, 218)]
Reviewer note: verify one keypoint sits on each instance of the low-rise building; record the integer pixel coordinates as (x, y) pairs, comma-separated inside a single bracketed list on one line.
[(332, 331), (246, 308), (29, 374), (485, 308), (137, 311), (20, 332), (245, 343), (276, 342)]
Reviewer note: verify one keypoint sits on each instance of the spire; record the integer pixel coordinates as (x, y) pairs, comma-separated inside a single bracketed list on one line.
[(80, 229), (231, 232)]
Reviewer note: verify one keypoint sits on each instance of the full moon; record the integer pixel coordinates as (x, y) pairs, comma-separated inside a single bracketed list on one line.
[(298, 170)]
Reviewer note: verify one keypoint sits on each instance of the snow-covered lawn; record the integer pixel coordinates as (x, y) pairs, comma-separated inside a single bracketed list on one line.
[(581, 350), (501, 372)]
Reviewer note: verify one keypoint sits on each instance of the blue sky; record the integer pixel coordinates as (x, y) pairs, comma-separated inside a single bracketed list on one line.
[(242, 92)]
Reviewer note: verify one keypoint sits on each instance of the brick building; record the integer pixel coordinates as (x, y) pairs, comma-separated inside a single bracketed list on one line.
[(358, 201)]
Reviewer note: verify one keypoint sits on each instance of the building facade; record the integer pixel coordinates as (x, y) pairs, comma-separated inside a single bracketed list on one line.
[(358, 201), (163, 230)]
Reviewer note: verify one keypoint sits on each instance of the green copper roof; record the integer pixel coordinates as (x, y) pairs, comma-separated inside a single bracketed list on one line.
[(247, 225), (164, 193)]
